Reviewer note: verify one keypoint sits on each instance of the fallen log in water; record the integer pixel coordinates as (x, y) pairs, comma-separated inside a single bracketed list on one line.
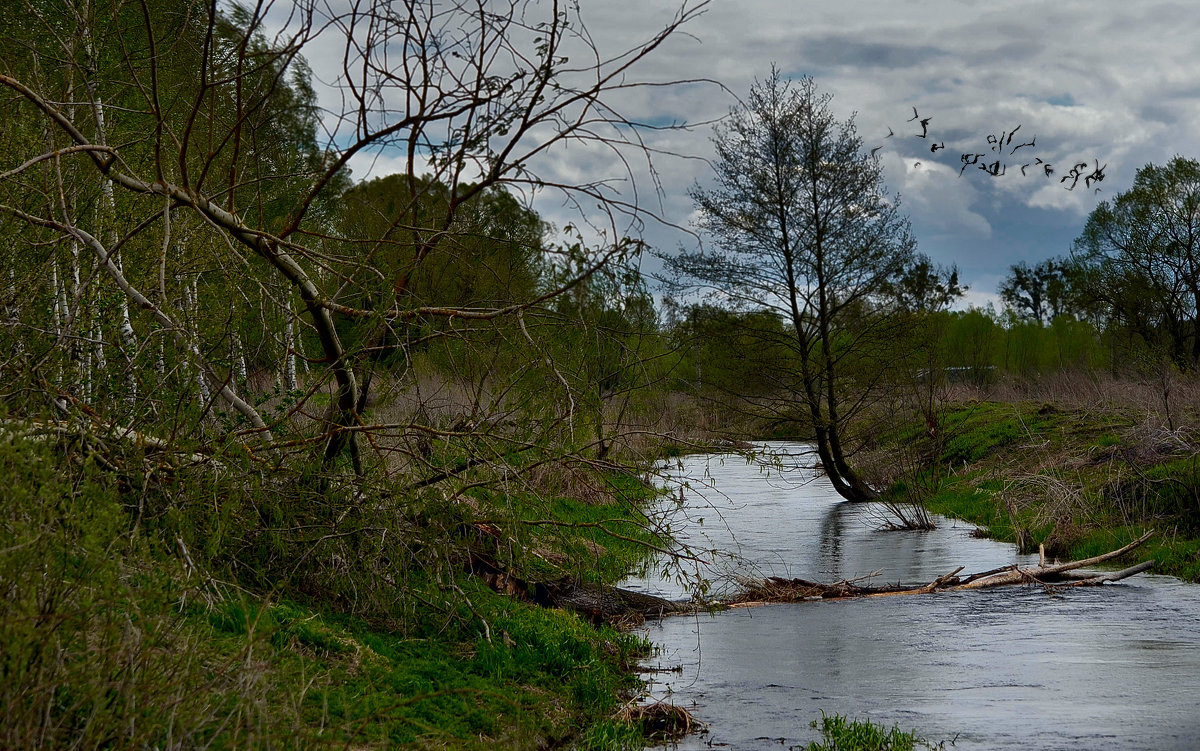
[(1049, 574), (606, 603), (775, 589), (602, 603)]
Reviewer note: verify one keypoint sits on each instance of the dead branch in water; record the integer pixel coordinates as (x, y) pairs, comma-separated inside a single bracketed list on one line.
[(775, 589)]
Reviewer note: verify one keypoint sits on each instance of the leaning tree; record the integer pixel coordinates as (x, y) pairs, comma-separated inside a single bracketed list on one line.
[(172, 183), (800, 224)]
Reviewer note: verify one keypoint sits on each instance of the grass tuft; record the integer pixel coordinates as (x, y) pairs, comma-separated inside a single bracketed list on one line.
[(840, 733)]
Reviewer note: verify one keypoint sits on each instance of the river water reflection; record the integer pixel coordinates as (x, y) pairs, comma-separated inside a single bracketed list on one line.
[(1116, 666)]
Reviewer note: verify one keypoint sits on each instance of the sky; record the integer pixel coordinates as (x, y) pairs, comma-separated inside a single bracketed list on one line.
[(1109, 83)]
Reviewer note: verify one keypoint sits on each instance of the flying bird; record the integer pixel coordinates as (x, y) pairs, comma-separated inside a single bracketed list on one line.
[(916, 116), (925, 127), (877, 148), (1032, 142), (890, 132)]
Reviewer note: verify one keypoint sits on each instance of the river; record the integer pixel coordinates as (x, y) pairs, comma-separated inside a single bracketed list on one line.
[(1116, 666)]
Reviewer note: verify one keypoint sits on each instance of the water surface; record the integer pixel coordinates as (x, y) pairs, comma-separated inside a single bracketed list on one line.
[(1116, 666)]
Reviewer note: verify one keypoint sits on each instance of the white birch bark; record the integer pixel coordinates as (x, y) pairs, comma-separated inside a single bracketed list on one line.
[(238, 356), (13, 313), (127, 336), (77, 346), (52, 288), (289, 357), (191, 305), (160, 359), (96, 333)]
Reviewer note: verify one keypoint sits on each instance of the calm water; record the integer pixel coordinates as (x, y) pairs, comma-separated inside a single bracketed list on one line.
[(1116, 666)]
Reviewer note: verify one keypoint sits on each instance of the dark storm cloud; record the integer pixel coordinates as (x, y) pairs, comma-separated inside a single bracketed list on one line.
[(845, 50)]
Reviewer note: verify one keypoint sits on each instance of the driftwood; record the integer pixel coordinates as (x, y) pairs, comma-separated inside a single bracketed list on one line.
[(609, 604), (775, 589)]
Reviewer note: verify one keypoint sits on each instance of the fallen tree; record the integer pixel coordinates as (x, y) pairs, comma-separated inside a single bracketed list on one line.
[(609, 604), (601, 603), (774, 589)]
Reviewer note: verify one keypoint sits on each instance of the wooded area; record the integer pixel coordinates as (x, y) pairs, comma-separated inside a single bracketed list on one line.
[(248, 394)]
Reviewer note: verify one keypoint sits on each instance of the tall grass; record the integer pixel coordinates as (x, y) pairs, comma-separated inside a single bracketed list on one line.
[(97, 651), (149, 608), (840, 733)]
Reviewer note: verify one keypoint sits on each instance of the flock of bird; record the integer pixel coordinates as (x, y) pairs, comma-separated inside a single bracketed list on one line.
[(1001, 147)]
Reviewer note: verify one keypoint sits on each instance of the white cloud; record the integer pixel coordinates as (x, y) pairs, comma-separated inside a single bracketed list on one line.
[(367, 165), (1103, 79), (937, 197)]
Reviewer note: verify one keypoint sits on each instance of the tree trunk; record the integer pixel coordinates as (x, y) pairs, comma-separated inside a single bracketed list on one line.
[(774, 589)]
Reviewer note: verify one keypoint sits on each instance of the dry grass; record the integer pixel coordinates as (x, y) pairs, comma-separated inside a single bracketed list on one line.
[(1043, 500), (569, 480), (1169, 398), (660, 722)]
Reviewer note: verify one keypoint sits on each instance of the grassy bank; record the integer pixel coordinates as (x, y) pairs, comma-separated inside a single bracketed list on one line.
[(193, 610), (1079, 481)]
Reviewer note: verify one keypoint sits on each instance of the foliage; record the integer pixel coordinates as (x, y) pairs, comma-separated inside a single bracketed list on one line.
[(491, 256), (746, 354), (152, 644), (1139, 259), (802, 226), (95, 651), (925, 287), (1041, 293)]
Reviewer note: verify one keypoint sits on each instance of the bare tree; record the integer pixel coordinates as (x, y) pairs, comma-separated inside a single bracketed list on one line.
[(195, 117), (801, 225)]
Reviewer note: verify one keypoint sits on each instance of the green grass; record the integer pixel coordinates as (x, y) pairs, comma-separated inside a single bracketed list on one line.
[(990, 447), (840, 733), (963, 499), (112, 641), (534, 675)]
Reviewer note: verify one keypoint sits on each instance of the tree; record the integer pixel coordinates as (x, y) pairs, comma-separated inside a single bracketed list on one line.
[(1139, 259), (925, 287), (227, 188), (1039, 294), (608, 348), (801, 224)]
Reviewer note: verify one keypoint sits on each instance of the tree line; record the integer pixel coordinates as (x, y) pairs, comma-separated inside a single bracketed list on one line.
[(190, 254), (1133, 272)]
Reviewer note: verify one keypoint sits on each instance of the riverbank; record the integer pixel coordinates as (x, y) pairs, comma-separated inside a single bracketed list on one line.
[(202, 611), (1012, 667), (1076, 481)]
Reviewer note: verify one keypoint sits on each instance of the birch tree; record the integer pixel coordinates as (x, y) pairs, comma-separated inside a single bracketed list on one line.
[(191, 115)]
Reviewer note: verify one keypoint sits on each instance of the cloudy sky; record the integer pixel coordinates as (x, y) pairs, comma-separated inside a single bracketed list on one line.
[(1106, 82)]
